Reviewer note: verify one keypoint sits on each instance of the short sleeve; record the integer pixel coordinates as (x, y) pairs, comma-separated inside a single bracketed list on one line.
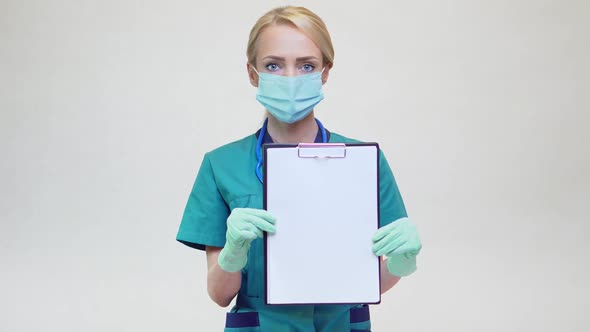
[(391, 204), (204, 219)]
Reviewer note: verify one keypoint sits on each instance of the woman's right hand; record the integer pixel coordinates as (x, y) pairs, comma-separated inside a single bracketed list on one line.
[(243, 226)]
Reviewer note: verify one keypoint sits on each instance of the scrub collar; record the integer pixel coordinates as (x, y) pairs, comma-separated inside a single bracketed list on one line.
[(263, 138)]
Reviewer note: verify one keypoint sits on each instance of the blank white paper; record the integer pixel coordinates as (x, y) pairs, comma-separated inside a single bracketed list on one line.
[(327, 213)]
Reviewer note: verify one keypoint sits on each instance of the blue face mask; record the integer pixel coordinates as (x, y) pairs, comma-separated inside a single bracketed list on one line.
[(289, 98)]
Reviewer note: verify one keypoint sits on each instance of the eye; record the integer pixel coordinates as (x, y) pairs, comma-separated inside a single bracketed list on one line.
[(272, 67), (308, 68)]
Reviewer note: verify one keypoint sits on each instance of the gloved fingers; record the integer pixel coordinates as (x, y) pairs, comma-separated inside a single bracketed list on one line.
[(384, 231), (254, 229), (408, 249), (250, 235), (240, 237), (394, 232), (395, 226), (260, 223), (385, 246), (241, 231), (263, 214)]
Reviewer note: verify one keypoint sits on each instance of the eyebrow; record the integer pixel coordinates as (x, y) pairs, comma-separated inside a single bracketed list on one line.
[(304, 58)]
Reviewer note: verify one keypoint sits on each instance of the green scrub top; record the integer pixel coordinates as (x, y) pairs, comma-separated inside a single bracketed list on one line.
[(227, 180)]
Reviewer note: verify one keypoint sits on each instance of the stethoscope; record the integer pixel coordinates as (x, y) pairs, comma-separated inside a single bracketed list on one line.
[(261, 139)]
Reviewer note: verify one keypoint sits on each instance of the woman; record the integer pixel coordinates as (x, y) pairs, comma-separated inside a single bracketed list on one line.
[(290, 56)]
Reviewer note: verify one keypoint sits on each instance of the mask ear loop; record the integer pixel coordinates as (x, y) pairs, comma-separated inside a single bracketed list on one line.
[(256, 71), (261, 138)]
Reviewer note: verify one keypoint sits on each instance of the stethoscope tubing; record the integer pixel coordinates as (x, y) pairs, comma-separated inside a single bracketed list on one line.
[(261, 139)]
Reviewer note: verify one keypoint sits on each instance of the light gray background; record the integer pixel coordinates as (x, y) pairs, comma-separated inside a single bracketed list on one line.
[(106, 108)]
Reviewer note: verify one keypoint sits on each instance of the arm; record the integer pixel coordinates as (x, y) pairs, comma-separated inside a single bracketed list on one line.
[(391, 208), (224, 274), (399, 241), (222, 286), (388, 280)]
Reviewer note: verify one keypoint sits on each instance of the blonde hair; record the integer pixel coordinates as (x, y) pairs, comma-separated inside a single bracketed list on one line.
[(301, 18)]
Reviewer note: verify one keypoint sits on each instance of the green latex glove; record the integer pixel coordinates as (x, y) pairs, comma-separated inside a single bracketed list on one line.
[(399, 241), (243, 226)]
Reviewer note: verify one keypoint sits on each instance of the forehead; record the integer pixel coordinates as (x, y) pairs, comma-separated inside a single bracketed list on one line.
[(285, 41)]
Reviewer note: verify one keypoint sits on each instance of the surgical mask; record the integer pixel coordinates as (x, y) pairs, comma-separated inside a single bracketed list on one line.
[(289, 98)]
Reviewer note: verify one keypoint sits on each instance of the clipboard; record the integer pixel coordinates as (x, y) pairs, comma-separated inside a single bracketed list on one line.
[(325, 197)]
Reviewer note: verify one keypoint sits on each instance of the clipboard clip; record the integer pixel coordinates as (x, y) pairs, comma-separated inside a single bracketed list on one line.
[(321, 150)]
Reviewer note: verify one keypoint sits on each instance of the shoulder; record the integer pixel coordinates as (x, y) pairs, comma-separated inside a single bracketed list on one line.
[(233, 149), (337, 138)]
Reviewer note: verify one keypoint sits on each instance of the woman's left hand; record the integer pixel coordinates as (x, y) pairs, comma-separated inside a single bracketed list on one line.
[(399, 241)]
